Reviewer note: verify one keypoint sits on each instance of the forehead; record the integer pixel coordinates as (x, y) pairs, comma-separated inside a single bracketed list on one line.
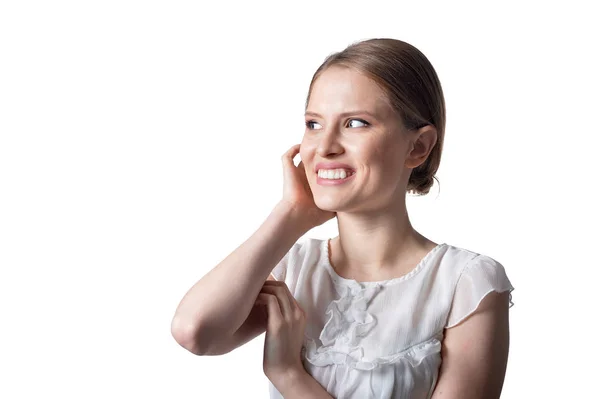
[(339, 89)]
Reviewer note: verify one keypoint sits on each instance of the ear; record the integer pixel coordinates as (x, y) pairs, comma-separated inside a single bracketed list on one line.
[(420, 146)]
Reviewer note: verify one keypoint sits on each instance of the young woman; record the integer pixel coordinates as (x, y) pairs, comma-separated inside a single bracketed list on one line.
[(380, 311)]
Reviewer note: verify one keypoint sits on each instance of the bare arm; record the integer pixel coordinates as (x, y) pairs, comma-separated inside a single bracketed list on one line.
[(219, 303), (255, 324), (301, 385), (475, 353)]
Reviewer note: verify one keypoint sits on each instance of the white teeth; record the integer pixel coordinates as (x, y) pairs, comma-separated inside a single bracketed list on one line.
[(333, 173)]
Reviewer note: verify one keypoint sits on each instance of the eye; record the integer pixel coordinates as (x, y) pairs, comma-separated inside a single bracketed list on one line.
[(361, 121), (308, 124)]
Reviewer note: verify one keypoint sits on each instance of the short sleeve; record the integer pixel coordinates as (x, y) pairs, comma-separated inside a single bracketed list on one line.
[(286, 263), (480, 277)]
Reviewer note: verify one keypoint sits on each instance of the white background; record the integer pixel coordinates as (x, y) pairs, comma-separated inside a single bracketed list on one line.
[(141, 141)]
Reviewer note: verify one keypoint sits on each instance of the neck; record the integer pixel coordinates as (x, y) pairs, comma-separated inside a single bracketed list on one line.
[(379, 243)]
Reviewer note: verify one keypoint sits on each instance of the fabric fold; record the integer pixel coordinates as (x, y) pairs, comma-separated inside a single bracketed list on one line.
[(348, 322), (354, 357), (479, 278), (349, 319)]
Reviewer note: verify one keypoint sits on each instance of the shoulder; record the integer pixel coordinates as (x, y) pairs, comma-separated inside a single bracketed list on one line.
[(308, 251), (461, 260), (303, 250), (485, 270), (475, 279)]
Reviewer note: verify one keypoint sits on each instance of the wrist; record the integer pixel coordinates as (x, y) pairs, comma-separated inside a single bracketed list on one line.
[(289, 381), (292, 216)]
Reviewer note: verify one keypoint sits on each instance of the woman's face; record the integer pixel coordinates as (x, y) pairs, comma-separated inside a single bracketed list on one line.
[(349, 120)]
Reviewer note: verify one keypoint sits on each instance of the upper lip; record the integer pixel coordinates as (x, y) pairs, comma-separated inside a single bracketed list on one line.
[(332, 165)]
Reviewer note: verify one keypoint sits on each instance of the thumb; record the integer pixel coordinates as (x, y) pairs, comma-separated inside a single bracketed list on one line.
[(287, 159)]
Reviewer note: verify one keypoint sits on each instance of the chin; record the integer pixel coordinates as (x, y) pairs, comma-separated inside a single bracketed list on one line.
[(330, 205)]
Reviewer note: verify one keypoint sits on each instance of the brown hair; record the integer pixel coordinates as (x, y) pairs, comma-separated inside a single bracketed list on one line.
[(412, 87)]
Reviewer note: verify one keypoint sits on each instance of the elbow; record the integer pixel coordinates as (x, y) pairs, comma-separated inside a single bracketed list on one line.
[(186, 334)]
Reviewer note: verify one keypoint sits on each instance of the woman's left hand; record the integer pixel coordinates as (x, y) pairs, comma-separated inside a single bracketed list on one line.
[(286, 322)]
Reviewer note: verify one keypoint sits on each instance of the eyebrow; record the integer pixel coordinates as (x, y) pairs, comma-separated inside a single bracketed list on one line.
[(307, 113)]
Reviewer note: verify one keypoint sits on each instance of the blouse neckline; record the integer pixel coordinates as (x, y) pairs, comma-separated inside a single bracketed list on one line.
[(339, 279)]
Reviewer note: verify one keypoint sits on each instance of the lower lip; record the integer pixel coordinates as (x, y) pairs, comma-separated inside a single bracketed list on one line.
[(332, 182)]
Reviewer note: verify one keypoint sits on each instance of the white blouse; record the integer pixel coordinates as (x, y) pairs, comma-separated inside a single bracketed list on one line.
[(382, 339)]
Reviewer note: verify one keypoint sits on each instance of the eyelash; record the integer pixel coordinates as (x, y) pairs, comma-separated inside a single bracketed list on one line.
[(307, 123)]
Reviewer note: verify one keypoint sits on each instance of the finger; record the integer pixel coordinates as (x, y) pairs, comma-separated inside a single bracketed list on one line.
[(288, 157), (274, 316), (294, 305), (284, 302), (279, 291)]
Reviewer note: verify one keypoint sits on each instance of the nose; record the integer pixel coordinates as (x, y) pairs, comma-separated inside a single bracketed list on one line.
[(329, 143)]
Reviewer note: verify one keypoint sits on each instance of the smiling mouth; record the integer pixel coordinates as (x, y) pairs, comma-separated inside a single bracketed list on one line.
[(336, 178), (334, 181), (334, 174)]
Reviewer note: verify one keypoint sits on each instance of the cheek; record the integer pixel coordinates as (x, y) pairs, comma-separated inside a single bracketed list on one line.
[(305, 156), (379, 160), (303, 151), (306, 148), (390, 154), (371, 154)]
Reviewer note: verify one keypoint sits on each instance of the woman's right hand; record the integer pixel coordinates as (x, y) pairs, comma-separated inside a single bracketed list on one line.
[(297, 192)]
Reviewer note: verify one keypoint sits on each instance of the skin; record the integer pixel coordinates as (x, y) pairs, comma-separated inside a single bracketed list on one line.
[(376, 239)]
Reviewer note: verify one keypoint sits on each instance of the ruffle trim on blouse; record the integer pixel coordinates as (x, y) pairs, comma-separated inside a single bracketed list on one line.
[(349, 321), (354, 358)]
